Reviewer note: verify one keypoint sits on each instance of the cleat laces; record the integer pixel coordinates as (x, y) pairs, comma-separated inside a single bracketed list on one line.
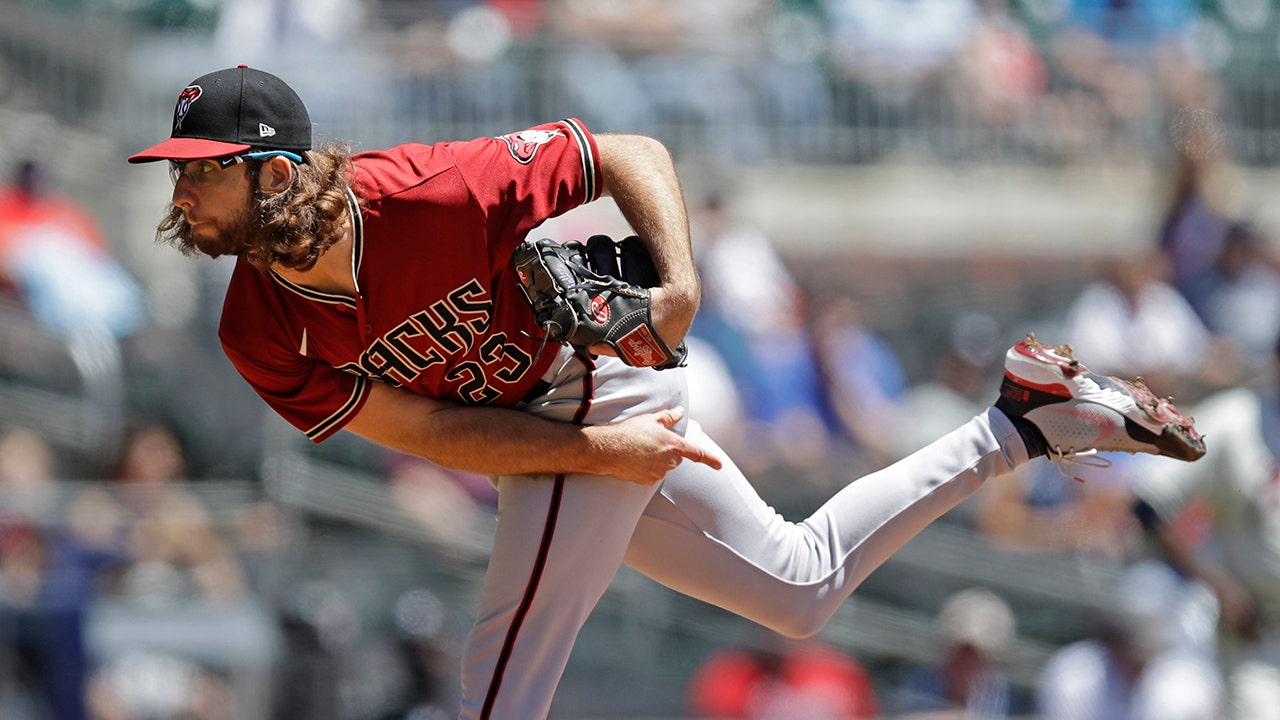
[(1077, 458)]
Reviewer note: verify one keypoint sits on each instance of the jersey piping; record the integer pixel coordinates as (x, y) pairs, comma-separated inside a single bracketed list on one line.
[(357, 239), (590, 185), (339, 417), (314, 295), (357, 251)]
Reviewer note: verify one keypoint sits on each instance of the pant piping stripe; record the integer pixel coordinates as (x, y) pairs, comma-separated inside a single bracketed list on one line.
[(544, 548)]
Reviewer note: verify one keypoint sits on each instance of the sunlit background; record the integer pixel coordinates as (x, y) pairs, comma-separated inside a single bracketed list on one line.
[(885, 194)]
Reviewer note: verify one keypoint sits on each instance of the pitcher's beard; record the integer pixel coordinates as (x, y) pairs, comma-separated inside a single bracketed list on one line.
[(233, 238)]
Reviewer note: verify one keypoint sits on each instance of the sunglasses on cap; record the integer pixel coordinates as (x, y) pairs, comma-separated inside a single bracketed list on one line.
[(203, 171)]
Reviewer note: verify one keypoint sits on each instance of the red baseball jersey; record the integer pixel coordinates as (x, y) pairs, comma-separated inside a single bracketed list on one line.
[(439, 310)]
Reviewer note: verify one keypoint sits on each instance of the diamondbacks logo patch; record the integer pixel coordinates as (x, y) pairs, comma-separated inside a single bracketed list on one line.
[(524, 144), (189, 95)]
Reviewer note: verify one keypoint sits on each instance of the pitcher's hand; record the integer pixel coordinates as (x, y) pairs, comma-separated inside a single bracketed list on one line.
[(644, 448)]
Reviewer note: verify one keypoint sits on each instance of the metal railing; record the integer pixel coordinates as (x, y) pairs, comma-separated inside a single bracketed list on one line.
[(386, 85)]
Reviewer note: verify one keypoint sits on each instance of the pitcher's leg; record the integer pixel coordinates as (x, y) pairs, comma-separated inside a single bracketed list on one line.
[(558, 545), (709, 535)]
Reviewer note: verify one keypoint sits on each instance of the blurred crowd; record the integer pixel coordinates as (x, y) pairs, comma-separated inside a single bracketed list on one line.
[(1060, 81), (136, 584), (144, 572), (808, 80)]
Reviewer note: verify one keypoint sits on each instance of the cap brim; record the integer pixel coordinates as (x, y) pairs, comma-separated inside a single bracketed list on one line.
[(188, 149)]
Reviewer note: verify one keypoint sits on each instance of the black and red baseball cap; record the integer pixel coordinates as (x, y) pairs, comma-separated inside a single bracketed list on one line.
[(233, 111)]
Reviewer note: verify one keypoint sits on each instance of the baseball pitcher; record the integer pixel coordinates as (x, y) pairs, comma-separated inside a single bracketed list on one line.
[(395, 294)]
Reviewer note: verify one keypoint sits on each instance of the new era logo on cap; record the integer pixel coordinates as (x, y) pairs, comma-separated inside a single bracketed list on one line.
[(265, 130)]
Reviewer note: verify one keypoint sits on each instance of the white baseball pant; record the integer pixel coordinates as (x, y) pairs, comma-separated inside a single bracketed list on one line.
[(703, 532)]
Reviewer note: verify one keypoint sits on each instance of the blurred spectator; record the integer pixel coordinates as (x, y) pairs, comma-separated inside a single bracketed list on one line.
[(1243, 307), (1122, 62), (321, 627), (1132, 24), (1204, 196), (656, 63), (461, 60), (447, 503), (27, 472), (746, 284), (714, 400), (154, 686), (46, 586), (52, 252), (1222, 264), (896, 46), (961, 384), (428, 657), (1237, 552), (978, 631), (1038, 508), (863, 380), (1132, 322), (337, 71), (176, 558), (177, 553), (1134, 669), (48, 579), (784, 680), (754, 315), (1000, 78), (789, 73), (890, 62), (25, 202)]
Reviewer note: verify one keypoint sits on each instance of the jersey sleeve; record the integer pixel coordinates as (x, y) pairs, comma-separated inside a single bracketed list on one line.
[(268, 345), (312, 396), (523, 178)]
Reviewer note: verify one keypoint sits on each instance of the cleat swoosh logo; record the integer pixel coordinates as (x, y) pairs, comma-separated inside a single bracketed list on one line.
[(1104, 433)]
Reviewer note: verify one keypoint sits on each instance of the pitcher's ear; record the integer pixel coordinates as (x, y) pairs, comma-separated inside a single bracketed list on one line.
[(276, 174)]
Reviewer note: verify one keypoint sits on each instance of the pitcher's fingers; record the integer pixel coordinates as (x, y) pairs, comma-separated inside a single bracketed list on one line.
[(670, 417), (697, 453)]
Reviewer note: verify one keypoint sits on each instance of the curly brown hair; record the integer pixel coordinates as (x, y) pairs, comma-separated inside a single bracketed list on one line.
[(291, 228)]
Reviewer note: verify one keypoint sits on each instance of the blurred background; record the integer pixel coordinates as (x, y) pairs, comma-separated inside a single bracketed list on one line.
[(884, 193)]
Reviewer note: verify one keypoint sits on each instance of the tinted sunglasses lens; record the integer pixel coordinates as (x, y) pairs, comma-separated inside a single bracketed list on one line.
[(175, 171)]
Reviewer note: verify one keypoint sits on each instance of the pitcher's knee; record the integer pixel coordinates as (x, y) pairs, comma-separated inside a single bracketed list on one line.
[(800, 624)]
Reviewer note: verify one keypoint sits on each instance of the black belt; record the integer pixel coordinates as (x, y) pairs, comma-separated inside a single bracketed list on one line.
[(539, 389)]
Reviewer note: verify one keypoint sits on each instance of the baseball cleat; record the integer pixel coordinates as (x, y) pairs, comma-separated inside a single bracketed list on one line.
[(1080, 413)]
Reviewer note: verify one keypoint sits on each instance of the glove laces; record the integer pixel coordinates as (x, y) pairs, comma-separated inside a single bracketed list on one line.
[(547, 330), (1077, 459)]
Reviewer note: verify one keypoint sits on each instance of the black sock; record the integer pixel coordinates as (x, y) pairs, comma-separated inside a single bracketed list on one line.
[(1031, 437), (1014, 402)]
